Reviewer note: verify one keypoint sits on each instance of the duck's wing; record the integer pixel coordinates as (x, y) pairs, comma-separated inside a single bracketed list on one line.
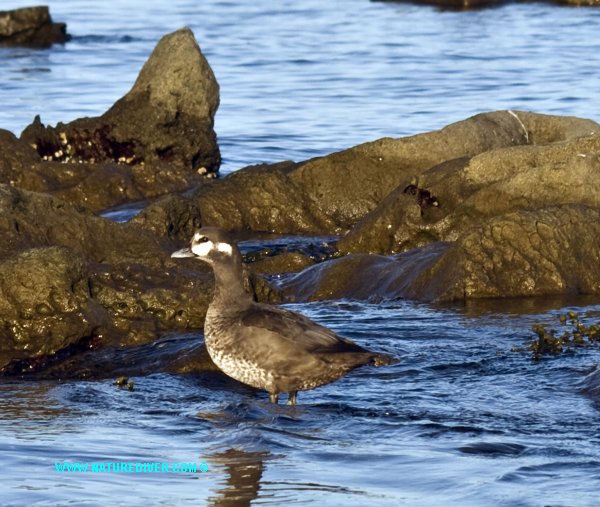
[(296, 329)]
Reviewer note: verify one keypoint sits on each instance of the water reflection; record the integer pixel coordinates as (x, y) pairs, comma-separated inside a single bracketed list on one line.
[(34, 406), (524, 306), (244, 472)]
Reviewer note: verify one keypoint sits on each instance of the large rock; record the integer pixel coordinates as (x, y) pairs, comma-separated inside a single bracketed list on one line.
[(349, 184), (95, 186), (561, 169), (31, 26), (45, 304), (157, 139), (114, 280), (548, 251)]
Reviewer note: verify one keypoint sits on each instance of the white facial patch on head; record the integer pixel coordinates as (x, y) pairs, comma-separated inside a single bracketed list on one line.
[(197, 237), (224, 248), (202, 249)]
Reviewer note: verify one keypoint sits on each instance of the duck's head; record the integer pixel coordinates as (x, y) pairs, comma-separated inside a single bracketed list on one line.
[(209, 244)]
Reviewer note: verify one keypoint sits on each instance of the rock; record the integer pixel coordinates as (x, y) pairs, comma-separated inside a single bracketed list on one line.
[(31, 26), (358, 276), (95, 186), (259, 198), (173, 216), (548, 251), (349, 184), (558, 170), (45, 304), (120, 271), (16, 161), (157, 139), (287, 262), (143, 302)]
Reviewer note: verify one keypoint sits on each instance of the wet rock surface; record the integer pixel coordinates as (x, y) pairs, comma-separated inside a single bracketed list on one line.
[(543, 252), (31, 26), (45, 303), (67, 276)]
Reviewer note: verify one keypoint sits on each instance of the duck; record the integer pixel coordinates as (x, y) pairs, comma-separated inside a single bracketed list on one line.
[(264, 346)]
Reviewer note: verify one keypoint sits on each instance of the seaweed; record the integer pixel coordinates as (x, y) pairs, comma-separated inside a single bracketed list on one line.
[(548, 341)]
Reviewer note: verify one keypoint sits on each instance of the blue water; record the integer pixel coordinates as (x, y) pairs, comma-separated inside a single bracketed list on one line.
[(460, 420)]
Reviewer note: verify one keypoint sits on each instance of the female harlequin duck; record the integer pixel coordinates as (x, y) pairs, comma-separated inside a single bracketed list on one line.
[(264, 346)]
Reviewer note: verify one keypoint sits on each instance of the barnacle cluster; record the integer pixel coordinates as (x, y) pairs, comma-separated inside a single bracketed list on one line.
[(574, 335), (83, 146)]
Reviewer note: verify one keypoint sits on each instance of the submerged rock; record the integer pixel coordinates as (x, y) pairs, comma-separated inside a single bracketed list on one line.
[(31, 26), (157, 139)]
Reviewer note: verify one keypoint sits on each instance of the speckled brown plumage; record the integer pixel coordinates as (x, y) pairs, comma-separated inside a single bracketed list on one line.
[(264, 346)]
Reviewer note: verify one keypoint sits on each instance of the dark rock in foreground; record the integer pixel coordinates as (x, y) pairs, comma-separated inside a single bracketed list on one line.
[(157, 139), (68, 278), (31, 26), (45, 303)]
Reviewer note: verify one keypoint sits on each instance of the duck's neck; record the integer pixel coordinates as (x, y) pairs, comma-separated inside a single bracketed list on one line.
[(229, 284)]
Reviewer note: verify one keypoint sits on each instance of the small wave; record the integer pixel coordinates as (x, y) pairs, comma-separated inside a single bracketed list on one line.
[(493, 449), (104, 39)]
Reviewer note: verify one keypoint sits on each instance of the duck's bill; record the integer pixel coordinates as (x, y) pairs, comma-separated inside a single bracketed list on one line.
[(184, 252)]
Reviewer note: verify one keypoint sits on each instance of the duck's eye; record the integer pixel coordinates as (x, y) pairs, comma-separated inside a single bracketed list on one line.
[(202, 239)]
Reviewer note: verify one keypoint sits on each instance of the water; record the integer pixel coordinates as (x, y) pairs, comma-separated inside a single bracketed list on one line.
[(460, 420)]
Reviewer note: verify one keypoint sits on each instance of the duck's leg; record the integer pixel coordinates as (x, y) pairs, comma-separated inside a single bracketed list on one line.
[(274, 397), (292, 398)]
